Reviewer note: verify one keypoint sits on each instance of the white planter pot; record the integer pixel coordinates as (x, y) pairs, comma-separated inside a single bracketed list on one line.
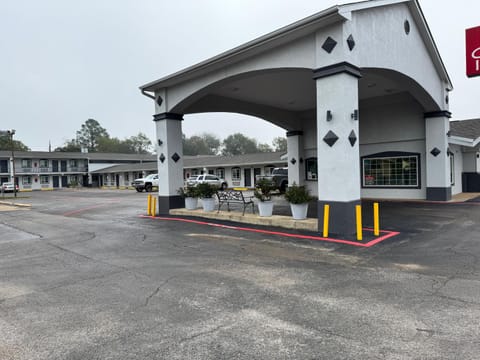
[(265, 208), (191, 203), (299, 211), (208, 204)]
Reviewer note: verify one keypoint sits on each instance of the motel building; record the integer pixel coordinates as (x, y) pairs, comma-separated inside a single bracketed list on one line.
[(363, 96)]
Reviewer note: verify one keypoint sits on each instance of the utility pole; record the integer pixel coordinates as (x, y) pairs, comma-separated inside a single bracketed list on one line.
[(10, 133)]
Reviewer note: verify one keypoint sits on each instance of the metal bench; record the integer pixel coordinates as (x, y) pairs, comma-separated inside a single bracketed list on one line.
[(234, 197)]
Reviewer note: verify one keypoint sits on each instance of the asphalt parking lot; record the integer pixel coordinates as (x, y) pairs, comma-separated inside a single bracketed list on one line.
[(82, 276)]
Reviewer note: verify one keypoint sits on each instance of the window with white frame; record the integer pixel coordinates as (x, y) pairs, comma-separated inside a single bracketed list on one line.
[(236, 174), (311, 171), (391, 169), (220, 172), (44, 179), (43, 163), (73, 163), (452, 169), (26, 163), (26, 180)]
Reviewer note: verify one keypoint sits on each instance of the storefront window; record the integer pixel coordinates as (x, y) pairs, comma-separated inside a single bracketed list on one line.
[(391, 171)]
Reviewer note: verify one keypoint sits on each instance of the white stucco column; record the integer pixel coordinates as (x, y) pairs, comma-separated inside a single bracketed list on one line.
[(296, 164), (338, 146), (170, 161), (437, 125)]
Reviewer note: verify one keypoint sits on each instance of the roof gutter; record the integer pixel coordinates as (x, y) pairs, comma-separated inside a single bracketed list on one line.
[(144, 92)]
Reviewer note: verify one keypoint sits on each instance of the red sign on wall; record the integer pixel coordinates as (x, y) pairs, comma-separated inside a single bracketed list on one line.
[(473, 51)]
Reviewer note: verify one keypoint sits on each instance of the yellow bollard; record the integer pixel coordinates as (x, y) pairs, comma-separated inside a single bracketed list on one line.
[(149, 205), (154, 207), (376, 220), (358, 210), (326, 215)]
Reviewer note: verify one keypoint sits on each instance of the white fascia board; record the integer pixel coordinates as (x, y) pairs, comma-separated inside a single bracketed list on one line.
[(276, 38), (457, 140)]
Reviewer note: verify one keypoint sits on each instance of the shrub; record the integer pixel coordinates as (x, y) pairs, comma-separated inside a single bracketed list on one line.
[(188, 191), (206, 190), (297, 194), (263, 190)]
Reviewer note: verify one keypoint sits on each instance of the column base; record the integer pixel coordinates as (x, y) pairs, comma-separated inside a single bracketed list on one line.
[(439, 194), (342, 220), (165, 203)]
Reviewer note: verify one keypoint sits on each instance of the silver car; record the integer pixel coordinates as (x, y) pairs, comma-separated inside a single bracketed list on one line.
[(207, 178)]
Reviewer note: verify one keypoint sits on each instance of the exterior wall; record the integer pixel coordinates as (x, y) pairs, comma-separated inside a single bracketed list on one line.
[(393, 124), (382, 43), (470, 161)]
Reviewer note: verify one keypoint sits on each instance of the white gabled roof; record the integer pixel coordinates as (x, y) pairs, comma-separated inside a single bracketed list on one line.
[(296, 30)]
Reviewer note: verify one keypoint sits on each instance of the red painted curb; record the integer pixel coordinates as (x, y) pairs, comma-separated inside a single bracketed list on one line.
[(387, 234)]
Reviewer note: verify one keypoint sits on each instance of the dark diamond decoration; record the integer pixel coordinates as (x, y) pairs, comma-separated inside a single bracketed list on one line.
[(329, 45), (175, 157), (352, 138), (301, 160), (435, 152), (293, 161), (159, 101), (162, 158), (351, 42), (331, 138)]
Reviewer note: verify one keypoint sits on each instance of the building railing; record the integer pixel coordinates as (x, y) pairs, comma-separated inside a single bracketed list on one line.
[(45, 170)]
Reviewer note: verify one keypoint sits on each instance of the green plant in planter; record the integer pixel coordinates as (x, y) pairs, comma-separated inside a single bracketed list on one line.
[(206, 190), (297, 194), (263, 190), (188, 192)]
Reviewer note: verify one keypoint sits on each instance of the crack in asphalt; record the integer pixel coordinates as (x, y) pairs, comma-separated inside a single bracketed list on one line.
[(157, 290)]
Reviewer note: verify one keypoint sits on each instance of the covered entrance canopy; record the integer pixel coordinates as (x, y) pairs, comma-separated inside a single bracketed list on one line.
[(355, 81)]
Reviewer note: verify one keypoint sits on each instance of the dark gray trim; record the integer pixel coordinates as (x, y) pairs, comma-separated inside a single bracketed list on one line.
[(439, 193), (294, 133), (165, 203), (442, 113), (342, 220), (167, 116), (343, 67)]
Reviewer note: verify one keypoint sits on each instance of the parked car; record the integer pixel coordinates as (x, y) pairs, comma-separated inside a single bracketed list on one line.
[(207, 178), (278, 177), (147, 183), (8, 187)]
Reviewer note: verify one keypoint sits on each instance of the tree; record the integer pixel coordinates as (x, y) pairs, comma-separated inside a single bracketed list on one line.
[(205, 144), (279, 144), (139, 144), (69, 146), (239, 144), (264, 148), (6, 144), (90, 133), (108, 144)]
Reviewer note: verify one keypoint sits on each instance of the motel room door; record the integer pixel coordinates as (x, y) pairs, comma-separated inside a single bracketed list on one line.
[(248, 177), (56, 181)]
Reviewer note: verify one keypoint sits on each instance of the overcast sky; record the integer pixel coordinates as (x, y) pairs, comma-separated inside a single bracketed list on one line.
[(62, 62)]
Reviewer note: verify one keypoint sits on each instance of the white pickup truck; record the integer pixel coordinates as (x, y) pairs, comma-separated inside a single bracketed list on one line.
[(147, 183)]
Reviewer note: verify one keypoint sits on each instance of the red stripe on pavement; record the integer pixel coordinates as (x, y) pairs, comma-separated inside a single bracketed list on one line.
[(387, 234)]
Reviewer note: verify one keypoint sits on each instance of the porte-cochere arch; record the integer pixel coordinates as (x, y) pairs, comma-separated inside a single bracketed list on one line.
[(346, 84)]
